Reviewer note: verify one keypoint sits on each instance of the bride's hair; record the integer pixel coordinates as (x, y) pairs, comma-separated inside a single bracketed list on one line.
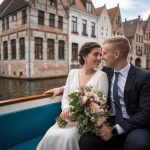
[(86, 49)]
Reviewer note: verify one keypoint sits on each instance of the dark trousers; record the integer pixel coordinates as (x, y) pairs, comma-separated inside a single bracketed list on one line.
[(138, 139)]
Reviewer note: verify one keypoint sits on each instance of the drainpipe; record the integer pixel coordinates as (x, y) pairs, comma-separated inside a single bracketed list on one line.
[(29, 44), (69, 58)]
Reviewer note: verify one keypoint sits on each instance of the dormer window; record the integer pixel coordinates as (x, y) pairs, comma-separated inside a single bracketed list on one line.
[(89, 7), (52, 2)]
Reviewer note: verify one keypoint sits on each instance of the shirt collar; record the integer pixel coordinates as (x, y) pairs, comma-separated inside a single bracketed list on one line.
[(124, 71)]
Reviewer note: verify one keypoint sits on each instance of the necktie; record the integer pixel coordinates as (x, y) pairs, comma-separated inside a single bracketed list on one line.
[(118, 109)]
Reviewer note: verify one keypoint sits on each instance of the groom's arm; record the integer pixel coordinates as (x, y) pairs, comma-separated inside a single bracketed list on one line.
[(56, 91)]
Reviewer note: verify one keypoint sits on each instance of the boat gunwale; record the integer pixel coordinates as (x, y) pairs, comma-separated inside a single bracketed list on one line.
[(24, 99)]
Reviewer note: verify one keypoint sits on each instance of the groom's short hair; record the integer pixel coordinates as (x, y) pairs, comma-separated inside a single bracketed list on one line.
[(120, 43)]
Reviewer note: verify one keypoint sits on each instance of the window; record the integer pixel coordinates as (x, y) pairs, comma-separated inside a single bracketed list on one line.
[(74, 52), (89, 7), (13, 49), (24, 16), (3, 24), (136, 48), (136, 37), (93, 29), (84, 26), (51, 20), (61, 49), (7, 23), (38, 48), (50, 49), (14, 16), (41, 17), (114, 33), (22, 48), (5, 47), (141, 39), (60, 22), (52, 2), (74, 24)]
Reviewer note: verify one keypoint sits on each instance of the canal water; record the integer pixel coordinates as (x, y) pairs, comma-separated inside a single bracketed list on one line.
[(13, 88)]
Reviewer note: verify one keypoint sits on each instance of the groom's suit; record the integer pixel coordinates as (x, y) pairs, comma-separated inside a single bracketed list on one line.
[(137, 103), (136, 97)]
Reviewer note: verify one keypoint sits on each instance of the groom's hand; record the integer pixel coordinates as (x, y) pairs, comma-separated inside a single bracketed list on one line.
[(105, 132)]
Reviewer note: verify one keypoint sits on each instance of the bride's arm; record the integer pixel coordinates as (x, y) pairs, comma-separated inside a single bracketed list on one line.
[(55, 91), (65, 100), (103, 84), (65, 114)]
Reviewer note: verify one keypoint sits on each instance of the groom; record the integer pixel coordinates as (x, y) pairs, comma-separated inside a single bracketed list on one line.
[(129, 100)]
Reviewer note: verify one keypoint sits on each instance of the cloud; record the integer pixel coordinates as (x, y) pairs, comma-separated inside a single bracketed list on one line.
[(1, 1), (145, 14), (124, 4)]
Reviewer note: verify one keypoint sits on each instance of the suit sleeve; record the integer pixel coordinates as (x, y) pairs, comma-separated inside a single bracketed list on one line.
[(141, 119)]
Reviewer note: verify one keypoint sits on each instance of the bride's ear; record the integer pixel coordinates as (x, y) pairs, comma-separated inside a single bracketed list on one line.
[(84, 58)]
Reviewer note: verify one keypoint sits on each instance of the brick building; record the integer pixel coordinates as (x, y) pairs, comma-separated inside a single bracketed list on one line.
[(116, 21), (138, 33), (33, 39)]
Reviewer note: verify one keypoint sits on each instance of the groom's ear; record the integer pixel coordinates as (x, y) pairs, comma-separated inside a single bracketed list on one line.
[(117, 54)]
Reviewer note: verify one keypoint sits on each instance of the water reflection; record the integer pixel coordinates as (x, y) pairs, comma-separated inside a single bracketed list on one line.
[(12, 88)]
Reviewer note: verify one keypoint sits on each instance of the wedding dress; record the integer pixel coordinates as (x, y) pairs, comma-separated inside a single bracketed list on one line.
[(67, 138)]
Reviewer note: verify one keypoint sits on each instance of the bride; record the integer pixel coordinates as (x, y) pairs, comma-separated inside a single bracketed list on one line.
[(67, 138)]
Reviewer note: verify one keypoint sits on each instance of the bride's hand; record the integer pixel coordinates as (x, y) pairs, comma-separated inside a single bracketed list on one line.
[(65, 114)]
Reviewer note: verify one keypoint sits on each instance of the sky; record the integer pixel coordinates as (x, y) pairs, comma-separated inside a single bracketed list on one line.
[(130, 9)]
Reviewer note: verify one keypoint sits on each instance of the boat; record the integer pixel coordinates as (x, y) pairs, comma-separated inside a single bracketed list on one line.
[(24, 121)]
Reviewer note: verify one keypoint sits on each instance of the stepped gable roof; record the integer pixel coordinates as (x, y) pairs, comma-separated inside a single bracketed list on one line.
[(130, 27), (9, 6), (112, 13), (99, 10), (79, 5)]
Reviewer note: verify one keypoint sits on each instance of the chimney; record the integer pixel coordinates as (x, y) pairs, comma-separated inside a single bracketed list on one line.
[(139, 16), (125, 19), (72, 2)]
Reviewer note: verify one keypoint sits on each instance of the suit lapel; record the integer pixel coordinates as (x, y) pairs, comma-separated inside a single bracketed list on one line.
[(129, 83)]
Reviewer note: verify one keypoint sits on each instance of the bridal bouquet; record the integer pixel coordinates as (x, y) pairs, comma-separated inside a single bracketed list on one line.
[(89, 110)]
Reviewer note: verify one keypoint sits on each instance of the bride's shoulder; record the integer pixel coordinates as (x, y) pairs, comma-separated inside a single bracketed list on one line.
[(101, 72), (73, 71)]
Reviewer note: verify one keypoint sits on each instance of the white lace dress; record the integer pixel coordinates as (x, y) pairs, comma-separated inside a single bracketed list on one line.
[(67, 138)]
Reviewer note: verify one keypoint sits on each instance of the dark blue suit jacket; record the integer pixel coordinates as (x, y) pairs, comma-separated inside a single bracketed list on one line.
[(136, 97)]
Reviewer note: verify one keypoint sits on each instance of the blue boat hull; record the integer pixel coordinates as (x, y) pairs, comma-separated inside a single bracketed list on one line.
[(23, 129)]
